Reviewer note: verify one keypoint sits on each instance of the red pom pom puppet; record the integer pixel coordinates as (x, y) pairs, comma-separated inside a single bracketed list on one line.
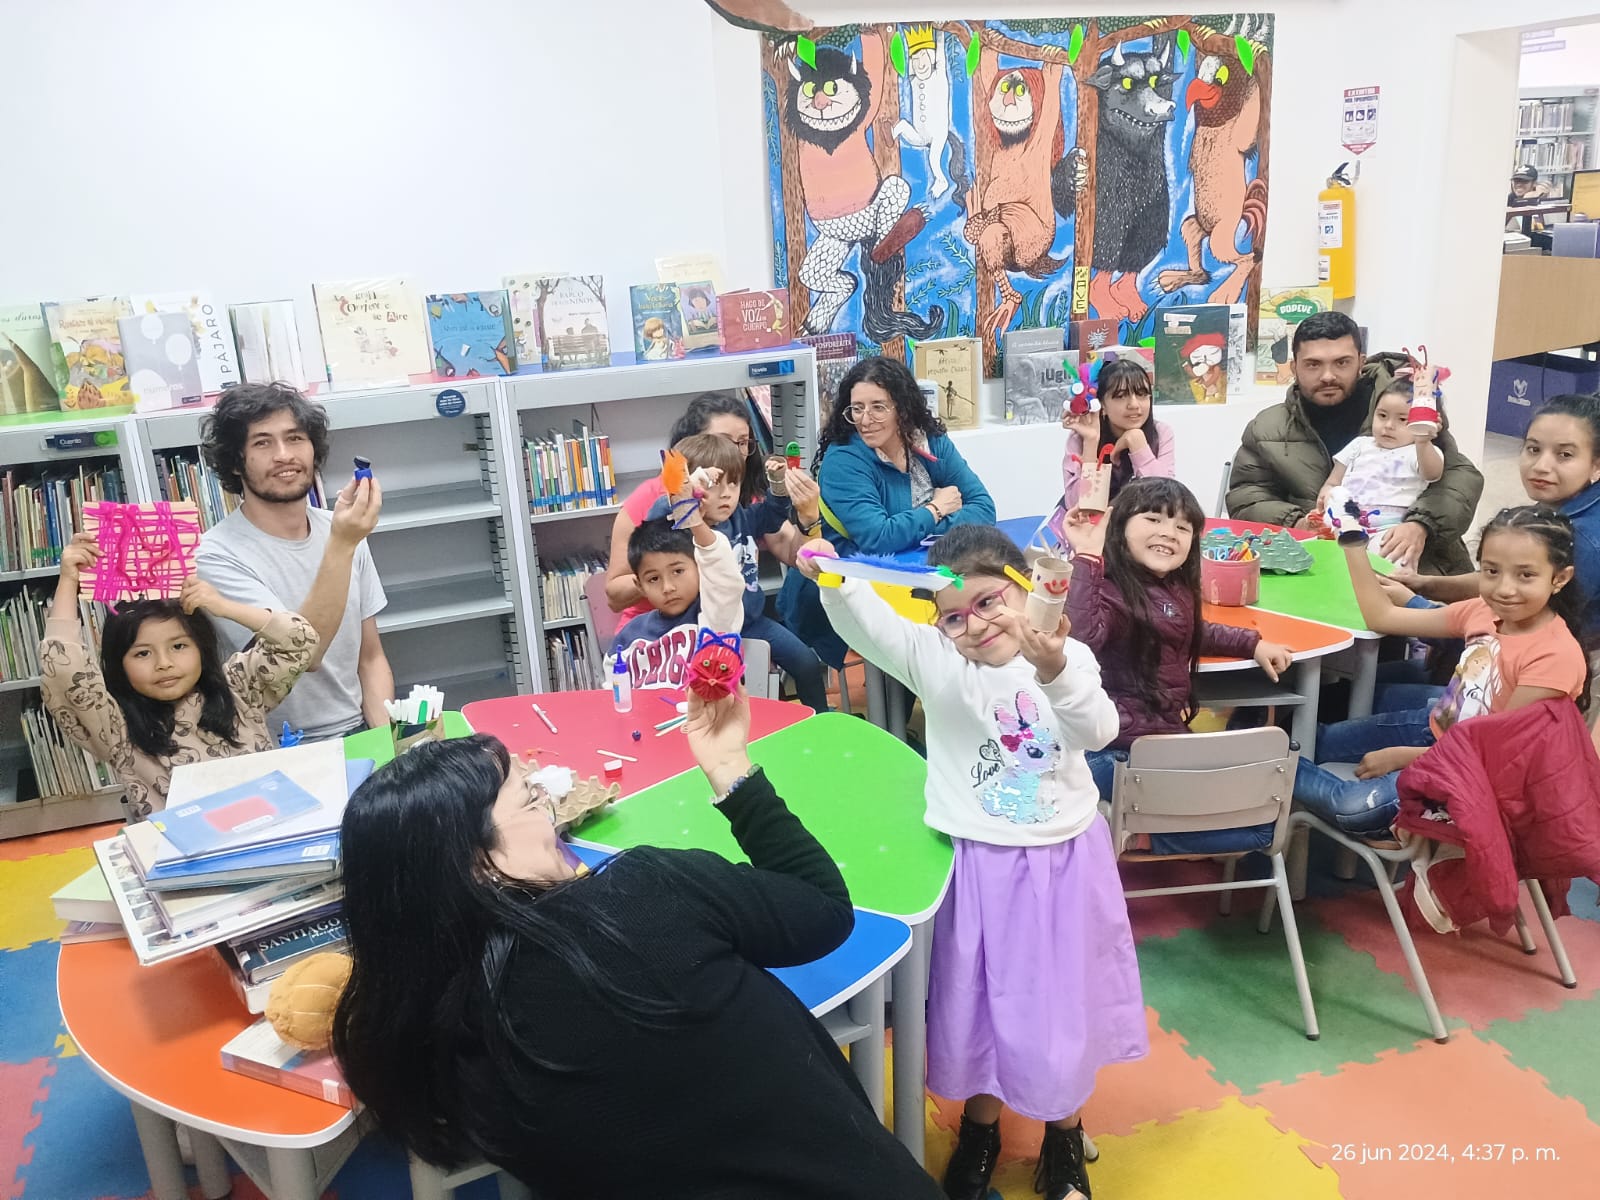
[(716, 666)]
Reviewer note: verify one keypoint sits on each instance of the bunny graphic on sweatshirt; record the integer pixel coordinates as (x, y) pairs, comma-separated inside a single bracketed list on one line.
[(1031, 753)]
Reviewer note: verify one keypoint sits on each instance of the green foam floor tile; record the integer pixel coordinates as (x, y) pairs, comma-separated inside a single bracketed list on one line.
[(1558, 1046)]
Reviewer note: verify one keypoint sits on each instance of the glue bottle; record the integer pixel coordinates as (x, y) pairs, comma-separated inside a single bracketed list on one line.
[(621, 685)]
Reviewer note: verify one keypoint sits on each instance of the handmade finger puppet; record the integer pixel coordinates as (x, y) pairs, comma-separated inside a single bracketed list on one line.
[(716, 666), (1083, 395), (685, 488), (146, 550), (1094, 481), (1344, 517), (1426, 393)]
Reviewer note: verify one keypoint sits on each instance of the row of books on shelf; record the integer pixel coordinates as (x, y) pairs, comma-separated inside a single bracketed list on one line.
[(1565, 155), (61, 767), (1545, 116), (561, 587), (38, 516), (177, 347), (574, 664), (22, 617), (567, 474), (184, 476)]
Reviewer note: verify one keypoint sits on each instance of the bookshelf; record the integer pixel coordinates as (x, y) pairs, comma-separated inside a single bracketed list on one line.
[(37, 454), (634, 405), (1555, 133)]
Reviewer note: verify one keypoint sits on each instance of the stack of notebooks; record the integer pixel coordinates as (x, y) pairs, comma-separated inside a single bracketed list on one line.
[(244, 844)]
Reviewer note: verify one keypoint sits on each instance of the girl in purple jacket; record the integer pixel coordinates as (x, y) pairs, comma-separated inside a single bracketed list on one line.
[(1135, 601)]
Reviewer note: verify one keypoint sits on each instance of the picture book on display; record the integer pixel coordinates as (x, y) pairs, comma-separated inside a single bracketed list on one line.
[(1192, 354), (836, 354), (523, 293), (268, 337), (955, 367), (1021, 371), (471, 334), (1093, 334), (163, 359), (261, 1054), (698, 304), (657, 321), (1281, 310), (219, 361), (86, 351), (1240, 365), (685, 269), (753, 320), (27, 379), (373, 332), (574, 323)]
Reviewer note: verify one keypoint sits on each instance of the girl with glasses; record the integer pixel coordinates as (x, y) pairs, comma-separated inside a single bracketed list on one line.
[(1034, 982)]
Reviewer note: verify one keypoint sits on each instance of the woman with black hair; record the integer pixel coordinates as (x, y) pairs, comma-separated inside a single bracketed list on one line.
[(891, 478), (161, 693), (605, 1034)]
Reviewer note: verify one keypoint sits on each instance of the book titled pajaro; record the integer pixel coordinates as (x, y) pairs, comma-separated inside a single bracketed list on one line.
[(471, 334), (753, 320), (657, 321), (213, 332), (211, 824)]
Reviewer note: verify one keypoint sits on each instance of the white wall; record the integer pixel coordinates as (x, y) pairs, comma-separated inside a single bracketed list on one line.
[(1575, 65)]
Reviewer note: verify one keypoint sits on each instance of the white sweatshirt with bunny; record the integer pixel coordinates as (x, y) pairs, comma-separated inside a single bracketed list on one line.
[(1005, 752)]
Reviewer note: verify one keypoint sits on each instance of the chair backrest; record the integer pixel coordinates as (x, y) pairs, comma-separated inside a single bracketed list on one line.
[(758, 669), (1192, 782), (603, 623), (1222, 489)]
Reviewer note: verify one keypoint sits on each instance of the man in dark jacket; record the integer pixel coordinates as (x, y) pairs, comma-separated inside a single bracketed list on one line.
[(1287, 451)]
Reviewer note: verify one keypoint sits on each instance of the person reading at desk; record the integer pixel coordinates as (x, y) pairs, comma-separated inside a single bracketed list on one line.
[(611, 1034)]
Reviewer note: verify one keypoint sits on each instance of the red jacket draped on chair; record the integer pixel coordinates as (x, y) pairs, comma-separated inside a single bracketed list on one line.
[(1522, 791)]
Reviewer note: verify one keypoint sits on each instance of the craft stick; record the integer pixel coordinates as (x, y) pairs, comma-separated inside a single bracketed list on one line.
[(545, 717), (614, 754)]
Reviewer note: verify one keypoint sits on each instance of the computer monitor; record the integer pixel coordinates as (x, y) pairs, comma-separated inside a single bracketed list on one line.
[(1586, 194)]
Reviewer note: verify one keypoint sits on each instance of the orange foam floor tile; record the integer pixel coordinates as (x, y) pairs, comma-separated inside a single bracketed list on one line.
[(1476, 976), (1459, 1120), (1168, 1081)]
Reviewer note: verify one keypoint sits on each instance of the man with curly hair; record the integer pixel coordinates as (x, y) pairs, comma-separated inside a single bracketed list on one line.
[(266, 442)]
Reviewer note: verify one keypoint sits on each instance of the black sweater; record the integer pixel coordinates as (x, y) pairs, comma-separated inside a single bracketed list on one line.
[(747, 1098)]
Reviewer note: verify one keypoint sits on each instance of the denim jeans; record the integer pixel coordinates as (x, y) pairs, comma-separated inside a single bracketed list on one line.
[(1348, 741), (1355, 806), (1102, 765), (794, 658)]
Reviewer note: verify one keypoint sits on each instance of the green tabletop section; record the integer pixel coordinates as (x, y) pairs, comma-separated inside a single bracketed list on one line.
[(857, 788), (377, 745), (1321, 594)]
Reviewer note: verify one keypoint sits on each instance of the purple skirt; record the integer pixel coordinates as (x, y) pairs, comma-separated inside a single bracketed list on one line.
[(1034, 983)]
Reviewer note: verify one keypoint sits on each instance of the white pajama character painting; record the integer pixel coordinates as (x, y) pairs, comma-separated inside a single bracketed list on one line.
[(1473, 686), (928, 130), (829, 107)]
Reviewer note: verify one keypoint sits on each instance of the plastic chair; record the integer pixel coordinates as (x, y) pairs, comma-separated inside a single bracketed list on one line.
[(1384, 863), (760, 681), (1222, 490), (1197, 782), (601, 621)]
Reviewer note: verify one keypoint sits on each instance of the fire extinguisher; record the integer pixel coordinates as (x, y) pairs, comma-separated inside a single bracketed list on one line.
[(1336, 231)]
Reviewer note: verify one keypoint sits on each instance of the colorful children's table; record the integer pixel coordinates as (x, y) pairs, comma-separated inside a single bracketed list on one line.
[(586, 722), (1309, 642), (378, 745), (860, 791)]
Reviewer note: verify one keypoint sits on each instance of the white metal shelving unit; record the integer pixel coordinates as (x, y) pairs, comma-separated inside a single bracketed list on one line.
[(635, 405), (39, 446), (445, 545)]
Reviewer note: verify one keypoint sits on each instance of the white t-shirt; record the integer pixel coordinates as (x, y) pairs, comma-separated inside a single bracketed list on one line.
[(1005, 752), (253, 567), (1379, 478)]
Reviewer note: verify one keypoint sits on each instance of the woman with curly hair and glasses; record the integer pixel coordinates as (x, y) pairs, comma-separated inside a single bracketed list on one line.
[(891, 478)]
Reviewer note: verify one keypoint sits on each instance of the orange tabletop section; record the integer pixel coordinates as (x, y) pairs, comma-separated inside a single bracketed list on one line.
[(1305, 639), (156, 1033), (585, 723)]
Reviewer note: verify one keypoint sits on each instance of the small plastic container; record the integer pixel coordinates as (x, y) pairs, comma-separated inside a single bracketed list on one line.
[(1231, 584)]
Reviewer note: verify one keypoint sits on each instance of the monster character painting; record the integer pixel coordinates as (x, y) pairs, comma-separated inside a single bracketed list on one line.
[(1132, 200), (829, 107), (1017, 132), (928, 82), (1227, 112)]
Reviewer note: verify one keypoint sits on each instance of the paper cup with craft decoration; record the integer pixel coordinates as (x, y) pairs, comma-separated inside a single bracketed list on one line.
[(1094, 483), (1051, 578)]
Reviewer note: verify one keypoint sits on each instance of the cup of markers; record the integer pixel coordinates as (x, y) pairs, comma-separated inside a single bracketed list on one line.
[(1231, 575), (416, 719)]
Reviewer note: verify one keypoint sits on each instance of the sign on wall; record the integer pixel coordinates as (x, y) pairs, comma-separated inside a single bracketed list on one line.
[(1358, 131), (968, 177)]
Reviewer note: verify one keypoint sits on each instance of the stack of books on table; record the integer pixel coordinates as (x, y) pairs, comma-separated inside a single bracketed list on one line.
[(86, 906), (256, 960), (244, 844)]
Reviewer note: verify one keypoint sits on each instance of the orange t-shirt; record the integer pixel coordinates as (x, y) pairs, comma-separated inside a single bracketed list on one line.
[(1495, 664)]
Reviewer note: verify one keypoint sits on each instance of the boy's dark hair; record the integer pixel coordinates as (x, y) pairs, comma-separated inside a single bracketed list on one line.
[(977, 550), (225, 431), (150, 721), (713, 450), (1327, 327), (1171, 498), (657, 537), (1554, 530)]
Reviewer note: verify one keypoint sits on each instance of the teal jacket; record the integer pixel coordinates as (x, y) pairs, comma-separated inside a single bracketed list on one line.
[(866, 502)]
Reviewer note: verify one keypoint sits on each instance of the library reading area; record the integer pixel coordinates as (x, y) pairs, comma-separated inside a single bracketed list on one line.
[(1013, 610)]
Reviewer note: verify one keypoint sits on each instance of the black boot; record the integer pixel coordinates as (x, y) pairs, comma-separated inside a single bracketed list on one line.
[(972, 1163), (1062, 1174)]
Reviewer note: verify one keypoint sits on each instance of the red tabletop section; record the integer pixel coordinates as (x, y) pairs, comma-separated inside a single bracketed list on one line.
[(159, 1031), (586, 723)]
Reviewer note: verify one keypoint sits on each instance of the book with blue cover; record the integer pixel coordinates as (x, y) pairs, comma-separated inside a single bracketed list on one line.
[(471, 334), (218, 821), (657, 323)]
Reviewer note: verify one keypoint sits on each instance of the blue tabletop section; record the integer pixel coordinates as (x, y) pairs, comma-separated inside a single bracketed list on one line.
[(876, 943)]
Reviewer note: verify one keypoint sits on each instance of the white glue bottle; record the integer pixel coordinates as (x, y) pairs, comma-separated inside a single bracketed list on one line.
[(621, 685)]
